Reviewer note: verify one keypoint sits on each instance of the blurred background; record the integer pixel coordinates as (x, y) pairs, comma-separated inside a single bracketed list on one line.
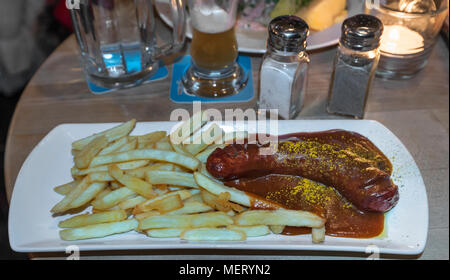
[(29, 31)]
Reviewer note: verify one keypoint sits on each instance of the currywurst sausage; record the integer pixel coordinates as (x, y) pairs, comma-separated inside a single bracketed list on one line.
[(345, 160)]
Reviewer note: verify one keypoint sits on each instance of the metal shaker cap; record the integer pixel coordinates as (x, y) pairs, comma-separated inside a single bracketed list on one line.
[(288, 34), (361, 32)]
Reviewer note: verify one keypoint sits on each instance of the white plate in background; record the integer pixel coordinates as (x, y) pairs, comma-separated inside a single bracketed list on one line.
[(251, 41), (33, 229)]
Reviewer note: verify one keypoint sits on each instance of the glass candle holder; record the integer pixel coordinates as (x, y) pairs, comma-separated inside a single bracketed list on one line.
[(410, 32)]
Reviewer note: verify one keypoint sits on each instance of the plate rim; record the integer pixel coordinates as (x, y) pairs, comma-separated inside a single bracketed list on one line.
[(205, 245)]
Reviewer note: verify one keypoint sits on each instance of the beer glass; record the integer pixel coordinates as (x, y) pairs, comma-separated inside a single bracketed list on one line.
[(214, 71), (118, 42)]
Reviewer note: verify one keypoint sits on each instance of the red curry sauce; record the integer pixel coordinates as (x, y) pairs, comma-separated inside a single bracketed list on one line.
[(298, 193)]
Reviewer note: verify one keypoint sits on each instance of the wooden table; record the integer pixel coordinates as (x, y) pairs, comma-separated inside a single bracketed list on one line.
[(416, 110)]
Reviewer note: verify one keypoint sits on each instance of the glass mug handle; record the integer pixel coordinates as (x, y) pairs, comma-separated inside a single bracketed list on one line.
[(178, 11)]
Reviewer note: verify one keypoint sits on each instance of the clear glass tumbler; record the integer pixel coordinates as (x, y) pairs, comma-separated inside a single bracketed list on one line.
[(411, 28), (117, 39), (214, 71)]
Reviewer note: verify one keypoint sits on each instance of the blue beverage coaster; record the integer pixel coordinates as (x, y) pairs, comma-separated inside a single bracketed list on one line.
[(179, 95)]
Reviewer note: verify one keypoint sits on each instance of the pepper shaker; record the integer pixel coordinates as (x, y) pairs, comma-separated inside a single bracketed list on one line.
[(354, 66), (284, 68)]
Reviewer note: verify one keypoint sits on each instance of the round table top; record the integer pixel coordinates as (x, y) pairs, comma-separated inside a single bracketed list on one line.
[(416, 111)]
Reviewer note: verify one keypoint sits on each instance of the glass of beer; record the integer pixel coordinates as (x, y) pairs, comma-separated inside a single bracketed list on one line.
[(214, 71)]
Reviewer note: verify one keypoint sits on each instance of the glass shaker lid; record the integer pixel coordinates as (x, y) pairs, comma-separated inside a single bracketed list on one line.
[(288, 33), (361, 32)]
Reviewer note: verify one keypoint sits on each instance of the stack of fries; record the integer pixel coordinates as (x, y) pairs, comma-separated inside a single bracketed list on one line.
[(160, 188)]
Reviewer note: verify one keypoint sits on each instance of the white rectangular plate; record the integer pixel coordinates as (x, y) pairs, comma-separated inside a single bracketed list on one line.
[(33, 229)]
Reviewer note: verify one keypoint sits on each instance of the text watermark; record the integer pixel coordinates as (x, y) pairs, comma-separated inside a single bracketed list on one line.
[(249, 126)]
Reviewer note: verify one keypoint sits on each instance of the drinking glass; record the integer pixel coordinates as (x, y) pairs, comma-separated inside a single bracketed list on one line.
[(411, 28), (214, 71), (117, 39)]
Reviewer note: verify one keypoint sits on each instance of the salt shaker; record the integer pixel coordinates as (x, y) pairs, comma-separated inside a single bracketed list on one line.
[(284, 68), (354, 66)]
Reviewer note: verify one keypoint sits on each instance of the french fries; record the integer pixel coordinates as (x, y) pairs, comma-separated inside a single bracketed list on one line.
[(163, 202), (186, 129), (191, 207), (129, 165), (64, 204), (199, 234), (251, 231), (88, 195), (92, 219), (213, 234), (66, 188), (189, 162), (101, 177), (171, 178), (110, 134), (165, 232), (220, 202), (103, 193), (165, 146), (202, 140), (144, 215), (157, 184), (111, 199), (135, 184), (276, 229), (141, 171), (132, 144), (114, 146), (98, 230), (166, 204), (280, 217), (150, 138), (131, 202), (211, 219), (236, 195), (318, 234)]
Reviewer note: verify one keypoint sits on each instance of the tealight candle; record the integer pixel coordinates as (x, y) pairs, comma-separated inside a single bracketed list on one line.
[(398, 39), (411, 28)]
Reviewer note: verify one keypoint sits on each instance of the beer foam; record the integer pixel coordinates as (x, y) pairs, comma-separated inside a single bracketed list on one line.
[(210, 19)]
